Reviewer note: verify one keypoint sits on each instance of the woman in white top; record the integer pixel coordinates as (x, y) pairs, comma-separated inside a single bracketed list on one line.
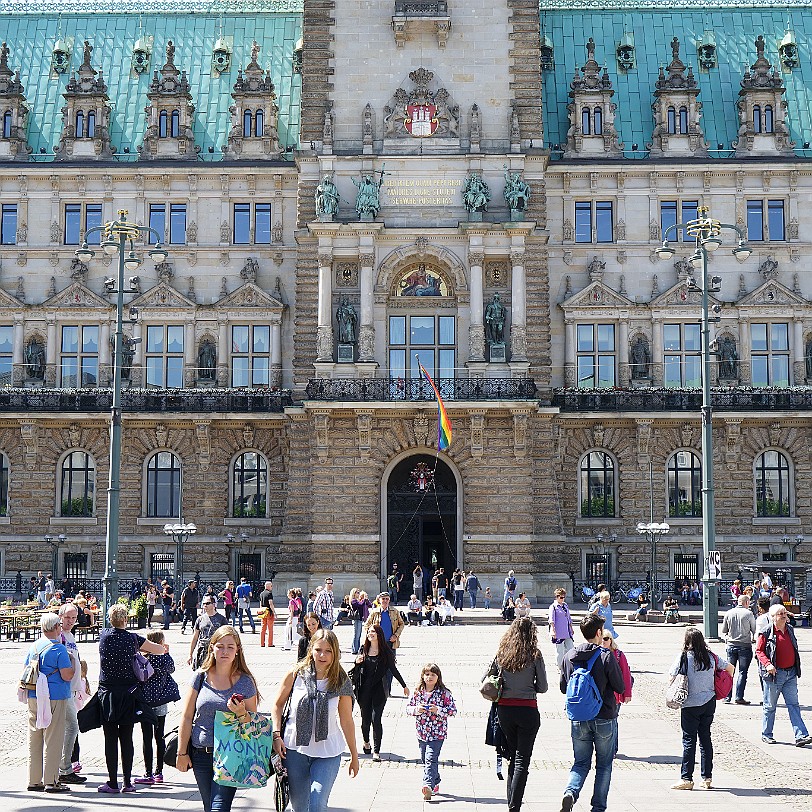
[(522, 606), (319, 724)]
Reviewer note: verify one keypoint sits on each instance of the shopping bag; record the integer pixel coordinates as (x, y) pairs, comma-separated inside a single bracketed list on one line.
[(242, 751)]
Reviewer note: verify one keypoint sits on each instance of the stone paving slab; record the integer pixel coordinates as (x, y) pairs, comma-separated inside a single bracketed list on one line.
[(650, 740)]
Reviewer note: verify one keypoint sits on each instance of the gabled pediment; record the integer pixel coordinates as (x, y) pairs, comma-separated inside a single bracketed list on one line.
[(679, 295), (163, 295), (772, 293), (596, 294), (7, 300), (77, 295), (250, 295)]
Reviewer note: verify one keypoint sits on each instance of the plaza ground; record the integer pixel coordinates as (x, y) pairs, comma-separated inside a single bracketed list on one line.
[(746, 772)]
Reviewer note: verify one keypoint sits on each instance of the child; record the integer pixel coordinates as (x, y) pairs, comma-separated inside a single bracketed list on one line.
[(431, 705), (159, 690), (487, 597)]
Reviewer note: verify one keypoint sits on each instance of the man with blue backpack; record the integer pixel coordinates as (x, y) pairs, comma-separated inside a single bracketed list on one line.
[(590, 677)]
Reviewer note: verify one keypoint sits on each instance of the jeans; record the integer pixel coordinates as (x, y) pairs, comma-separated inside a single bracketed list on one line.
[(418, 591), (311, 780), (459, 597), (520, 727), (430, 756), (167, 613), (357, 628), (743, 655), (599, 735), (785, 682), (216, 797), (393, 597), (250, 618), (561, 649), (189, 616), (472, 599), (696, 722), (487, 603), (71, 732)]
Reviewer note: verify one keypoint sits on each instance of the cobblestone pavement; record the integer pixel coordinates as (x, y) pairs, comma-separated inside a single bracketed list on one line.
[(745, 770)]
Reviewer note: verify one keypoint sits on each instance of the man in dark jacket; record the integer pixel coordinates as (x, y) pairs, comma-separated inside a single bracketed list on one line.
[(598, 734), (189, 601)]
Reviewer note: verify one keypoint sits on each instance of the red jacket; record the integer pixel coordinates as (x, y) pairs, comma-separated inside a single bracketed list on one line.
[(627, 676)]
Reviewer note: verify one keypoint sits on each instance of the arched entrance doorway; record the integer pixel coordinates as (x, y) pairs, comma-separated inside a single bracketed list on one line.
[(421, 517)]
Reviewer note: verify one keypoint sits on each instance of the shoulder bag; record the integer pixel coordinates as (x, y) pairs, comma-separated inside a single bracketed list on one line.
[(171, 738), (492, 685), (677, 691), (142, 667), (722, 681), (281, 788)]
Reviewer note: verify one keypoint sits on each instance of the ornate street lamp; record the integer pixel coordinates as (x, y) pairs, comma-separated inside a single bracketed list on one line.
[(706, 232), (652, 530), (118, 238), (179, 533)]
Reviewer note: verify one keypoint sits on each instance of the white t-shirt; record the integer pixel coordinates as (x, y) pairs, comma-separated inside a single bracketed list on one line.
[(334, 744), (762, 623)]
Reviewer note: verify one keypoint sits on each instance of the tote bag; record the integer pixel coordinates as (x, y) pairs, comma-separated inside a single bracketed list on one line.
[(677, 691), (242, 752), (722, 681)]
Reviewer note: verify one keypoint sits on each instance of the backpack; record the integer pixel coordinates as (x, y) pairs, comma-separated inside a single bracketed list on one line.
[(512, 583), (584, 700), (30, 675)]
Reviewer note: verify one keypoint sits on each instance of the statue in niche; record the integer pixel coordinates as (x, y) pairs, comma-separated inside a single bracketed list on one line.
[(517, 191), (475, 194), (495, 321), (35, 359), (207, 361), (808, 357), (728, 358), (368, 201), (127, 357), (347, 322), (326, 197), (640, 358)]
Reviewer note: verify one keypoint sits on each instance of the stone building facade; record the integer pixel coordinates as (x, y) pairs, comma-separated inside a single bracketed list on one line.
[(486, 201)]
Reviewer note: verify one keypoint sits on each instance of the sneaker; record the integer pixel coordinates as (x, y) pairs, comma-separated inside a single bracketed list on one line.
[(567, 802), (803, 741), (72, 778), (706, 782), (108, 789), (376, 756), (743, 702), (684, 784), (768, 740), (426, 793), (76, 766), (144, 779), (500, 776), (128, 789), (436, 789), (158, 778)]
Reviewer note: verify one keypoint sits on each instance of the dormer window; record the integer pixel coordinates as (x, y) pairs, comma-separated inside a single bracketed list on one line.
[(80, 124), (246, 123), (7, 121), (259, 124), (174, 129), (768, 119), (757, 118), (162, 121), (598, 121), (763, 120), (586, 126), (91, 124)]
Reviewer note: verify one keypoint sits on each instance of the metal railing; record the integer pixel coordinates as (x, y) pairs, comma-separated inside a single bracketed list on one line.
[(421, 8), (417, 389)]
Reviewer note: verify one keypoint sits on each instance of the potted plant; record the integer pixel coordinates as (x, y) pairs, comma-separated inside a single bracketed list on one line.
[(139, 606)]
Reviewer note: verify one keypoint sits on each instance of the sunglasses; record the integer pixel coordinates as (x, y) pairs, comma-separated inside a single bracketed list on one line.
[(607, 638), (208, 603)]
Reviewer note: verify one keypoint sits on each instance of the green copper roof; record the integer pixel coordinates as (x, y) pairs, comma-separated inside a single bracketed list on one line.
[(735, 31), (31, 39)]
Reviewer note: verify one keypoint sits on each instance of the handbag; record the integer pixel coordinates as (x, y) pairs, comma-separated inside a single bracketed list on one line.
[(142, 667), (242, 751), (492, 685), (171, 748), (90, 717), (281, 793), (677, 691), (722, 681)]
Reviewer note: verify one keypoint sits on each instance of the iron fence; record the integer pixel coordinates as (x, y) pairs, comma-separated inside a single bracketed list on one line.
[(417, 389)]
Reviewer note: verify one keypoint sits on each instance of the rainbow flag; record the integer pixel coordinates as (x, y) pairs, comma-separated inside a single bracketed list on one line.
[(443, 423)]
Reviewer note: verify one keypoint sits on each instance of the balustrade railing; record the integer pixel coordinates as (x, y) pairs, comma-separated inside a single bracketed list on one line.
[(417, 389)]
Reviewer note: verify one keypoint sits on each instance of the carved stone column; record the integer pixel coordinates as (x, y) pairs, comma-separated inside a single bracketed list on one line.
[(518, 312), (105, 354), (50, 352), (799, 367), (366, 334), (569, 353), (324, 340), (476, 331), (622, 354), (190, 371), (222, 354), (276, 354), (657, 353), (17, 362)]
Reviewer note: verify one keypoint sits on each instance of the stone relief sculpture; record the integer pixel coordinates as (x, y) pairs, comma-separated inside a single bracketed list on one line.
[(326, 198), (347, 321), (495, 320)]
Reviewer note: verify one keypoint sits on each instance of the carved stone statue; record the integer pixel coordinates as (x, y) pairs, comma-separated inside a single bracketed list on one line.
[(35, 359), (808, 357), (728, 358), (347, 321), (495, 321), (127, 357), (207, 361), (368, 201), (640, 358), (517, 192), (475, 194), (326, 197)]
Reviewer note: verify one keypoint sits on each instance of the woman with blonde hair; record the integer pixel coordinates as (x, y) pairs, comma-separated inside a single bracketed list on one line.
[(319, 725), (520, 665), (224, 683)]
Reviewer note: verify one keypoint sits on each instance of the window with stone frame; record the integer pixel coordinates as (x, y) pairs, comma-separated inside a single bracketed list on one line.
[(173, 214), (421, 338), (253, 123), (6, 355), (77, 484), (597, 485), (163, 486), (674, 211), (250, 355), (596, 356), (79, 219), (772, 481), (765, 220), (249, 486), (5, 478), (163, 356), (769, 353), (252, 224), (682, 361), (684, 485), (8, 224), (79, 356), (594, 221)]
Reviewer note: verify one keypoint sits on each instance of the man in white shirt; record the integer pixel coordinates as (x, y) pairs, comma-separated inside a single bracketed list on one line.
[(444, 612), (68, 615)]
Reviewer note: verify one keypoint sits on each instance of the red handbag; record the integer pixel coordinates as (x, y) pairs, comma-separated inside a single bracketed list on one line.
[(722, 681)]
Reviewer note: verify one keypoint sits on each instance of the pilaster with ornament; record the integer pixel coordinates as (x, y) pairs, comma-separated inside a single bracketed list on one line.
[(476, 333), (421, 428), (364, 420), (321, 424), (643, 441), (203, 437), (477, 418), (29, 430), (733, 431), (521, 422)]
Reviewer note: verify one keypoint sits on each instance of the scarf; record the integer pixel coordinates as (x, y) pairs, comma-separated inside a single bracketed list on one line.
[(313, 709)]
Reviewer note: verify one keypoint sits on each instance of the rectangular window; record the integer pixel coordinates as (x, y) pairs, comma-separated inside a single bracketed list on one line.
[(427, 340), (164, 356), (157, 220), (262, 228), (6, 354), (93, 219), (668, 218), (690, 210), (177, 224), (242, 223), (755, 220), (682, 363), (79, 220), (596, 357), (79, 356), (775, 220), (769, 347), (604, 226), (603, 218), (8, 225), (583, 221), (250, 355), (73, 223)]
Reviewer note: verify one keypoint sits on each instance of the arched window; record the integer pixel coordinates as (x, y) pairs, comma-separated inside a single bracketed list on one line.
[(162, 119), (5, 472), (683, 120), (768, 119), (757, 118), (684, 485), (772, 485), (259, 124), (250, 486), (163, 485), (597, 484), (175, 131), (80, 124), (7, 122), (246, 123), (586, 128), (91, 124), (78, 484), (597, 129), (672, 120)]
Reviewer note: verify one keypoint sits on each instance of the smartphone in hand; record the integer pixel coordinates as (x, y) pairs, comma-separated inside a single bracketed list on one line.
[(236, 698)]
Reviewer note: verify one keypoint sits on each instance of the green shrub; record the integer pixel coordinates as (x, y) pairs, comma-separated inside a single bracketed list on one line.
[(598, 506)]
